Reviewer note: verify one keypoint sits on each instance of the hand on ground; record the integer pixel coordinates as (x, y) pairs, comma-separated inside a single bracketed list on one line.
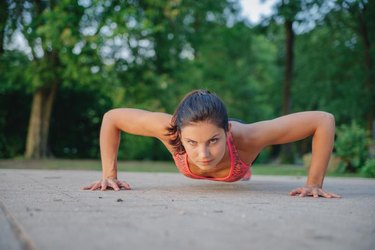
[(107, 184), (314, 191)]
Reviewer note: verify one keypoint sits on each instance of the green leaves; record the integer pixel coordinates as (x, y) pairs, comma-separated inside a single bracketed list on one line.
[(148, 54), (352, 146)]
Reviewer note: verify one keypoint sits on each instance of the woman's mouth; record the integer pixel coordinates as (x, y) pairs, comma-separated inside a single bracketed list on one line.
[(205, 162)]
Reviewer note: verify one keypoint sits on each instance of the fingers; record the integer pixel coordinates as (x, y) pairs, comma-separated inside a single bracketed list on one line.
[(295, 191), (315, 193), (335, 195), (95, 186), (312, 191), (303, 193), (104, 185), (330, 195), (125, 185), (88, 187), (325, 194), (113, 184)]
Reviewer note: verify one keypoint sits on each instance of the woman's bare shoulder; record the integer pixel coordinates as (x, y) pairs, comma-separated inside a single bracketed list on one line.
[(244, 135)]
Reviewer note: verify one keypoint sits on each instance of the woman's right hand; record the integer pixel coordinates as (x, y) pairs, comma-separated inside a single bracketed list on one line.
[(107, 184)]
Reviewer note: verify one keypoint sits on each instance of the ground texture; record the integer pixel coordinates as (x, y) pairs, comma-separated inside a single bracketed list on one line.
[(45, 209)]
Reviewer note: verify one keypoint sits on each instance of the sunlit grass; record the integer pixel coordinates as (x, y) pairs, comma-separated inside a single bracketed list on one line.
[(131, 166), (148, 166)]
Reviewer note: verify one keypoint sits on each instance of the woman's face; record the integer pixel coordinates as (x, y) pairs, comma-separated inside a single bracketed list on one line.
[(205, 144)]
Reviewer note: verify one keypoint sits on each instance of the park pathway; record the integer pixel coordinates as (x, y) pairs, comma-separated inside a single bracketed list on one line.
[(45, 209)]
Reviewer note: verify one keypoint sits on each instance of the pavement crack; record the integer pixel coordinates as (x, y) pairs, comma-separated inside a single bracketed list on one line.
[(24, 241)]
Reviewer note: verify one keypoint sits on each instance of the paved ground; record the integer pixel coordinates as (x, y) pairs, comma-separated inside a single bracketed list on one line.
[(42, 209)]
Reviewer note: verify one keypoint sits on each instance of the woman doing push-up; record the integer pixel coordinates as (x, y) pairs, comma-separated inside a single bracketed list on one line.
[(206, 145)]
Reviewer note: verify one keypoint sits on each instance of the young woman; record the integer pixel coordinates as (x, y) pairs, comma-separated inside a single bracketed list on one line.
[(205, 145)]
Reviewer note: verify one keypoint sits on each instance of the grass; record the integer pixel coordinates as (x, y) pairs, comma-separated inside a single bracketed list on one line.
[(149, 166), (131, 166)]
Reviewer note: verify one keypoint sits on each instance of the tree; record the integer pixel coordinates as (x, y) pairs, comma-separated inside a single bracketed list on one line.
[(44, 25), (287, 11), (3, 20), (335, 61), (61, 51), (165, 38), (362, 23)]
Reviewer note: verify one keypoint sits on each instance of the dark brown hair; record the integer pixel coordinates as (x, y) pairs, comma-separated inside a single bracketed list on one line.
[(197, 106)]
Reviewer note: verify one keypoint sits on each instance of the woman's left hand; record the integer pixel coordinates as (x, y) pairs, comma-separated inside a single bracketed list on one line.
[(314, 191)]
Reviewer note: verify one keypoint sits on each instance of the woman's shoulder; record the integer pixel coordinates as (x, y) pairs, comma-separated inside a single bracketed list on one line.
[(244, 135), (241, 132), (245, 142)]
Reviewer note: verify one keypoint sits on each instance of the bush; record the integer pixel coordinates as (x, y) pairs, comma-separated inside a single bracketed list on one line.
[(333, 164), (368, 169), (75, 123), (352, 147)]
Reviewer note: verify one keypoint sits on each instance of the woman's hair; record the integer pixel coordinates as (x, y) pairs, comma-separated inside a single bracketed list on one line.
[(196, 106)]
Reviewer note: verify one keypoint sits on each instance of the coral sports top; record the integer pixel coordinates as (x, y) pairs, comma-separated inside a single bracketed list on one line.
[(238, 169)]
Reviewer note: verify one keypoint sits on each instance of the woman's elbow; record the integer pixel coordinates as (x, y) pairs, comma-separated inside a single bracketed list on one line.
[(109, 116), (329, 116), (328, 119)]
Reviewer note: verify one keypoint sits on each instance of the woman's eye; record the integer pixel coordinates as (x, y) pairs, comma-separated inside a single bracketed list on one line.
[(212, 141), (193, 143)]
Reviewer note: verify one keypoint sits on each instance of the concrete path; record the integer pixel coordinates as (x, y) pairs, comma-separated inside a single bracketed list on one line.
[(42, 209)]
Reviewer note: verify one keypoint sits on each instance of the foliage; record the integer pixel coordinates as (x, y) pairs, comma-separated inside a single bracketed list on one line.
[(323, 71), (12, 67), (352, 146), (78, 112), (13, 122), (250, 76), (368, 170), (148, 54), (142, 148), (14, 103)]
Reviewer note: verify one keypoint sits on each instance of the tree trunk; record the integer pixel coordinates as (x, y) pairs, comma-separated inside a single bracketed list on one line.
[(37, 135), (369, 71), (287, 150), (3, 21), (289, 44)]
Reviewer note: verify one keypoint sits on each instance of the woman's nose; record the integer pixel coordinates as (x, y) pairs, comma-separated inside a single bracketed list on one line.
[(204, 152)]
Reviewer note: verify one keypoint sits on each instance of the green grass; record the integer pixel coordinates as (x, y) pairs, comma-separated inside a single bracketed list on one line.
[(261, 169), (292, 170), (132, 166), (149, 166)]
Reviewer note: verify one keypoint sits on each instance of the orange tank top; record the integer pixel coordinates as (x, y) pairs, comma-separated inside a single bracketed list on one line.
[(238, 169)]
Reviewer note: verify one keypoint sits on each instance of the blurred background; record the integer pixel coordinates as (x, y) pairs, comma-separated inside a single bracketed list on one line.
[(64, 63)]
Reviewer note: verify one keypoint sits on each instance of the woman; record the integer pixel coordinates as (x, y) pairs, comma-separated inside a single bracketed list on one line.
[(205, 145)]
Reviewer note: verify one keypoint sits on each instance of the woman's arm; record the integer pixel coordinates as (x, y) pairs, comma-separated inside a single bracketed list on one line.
[(294, 127), (132, 121)]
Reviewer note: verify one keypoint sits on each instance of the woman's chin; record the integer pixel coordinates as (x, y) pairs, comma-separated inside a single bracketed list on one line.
[(205, 166)]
